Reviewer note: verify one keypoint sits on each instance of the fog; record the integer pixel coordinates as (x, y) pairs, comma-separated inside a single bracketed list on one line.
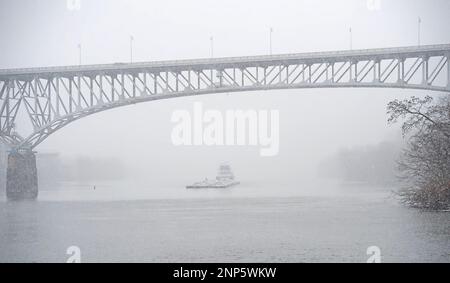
[(114, 186), (315, 124)]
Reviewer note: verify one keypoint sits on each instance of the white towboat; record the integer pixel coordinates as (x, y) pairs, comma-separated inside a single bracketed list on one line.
[(225, 179)]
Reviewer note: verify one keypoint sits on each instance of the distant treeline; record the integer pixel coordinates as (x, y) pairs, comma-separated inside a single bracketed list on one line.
[(53, 169), (372, 165)]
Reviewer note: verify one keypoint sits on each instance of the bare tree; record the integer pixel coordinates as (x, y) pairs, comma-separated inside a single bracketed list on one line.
[(425, 162)]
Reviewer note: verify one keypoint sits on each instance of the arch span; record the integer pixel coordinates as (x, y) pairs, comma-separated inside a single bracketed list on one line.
[(56, 96)]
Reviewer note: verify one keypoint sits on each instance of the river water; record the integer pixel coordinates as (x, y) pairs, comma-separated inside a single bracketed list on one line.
[(219, 227)]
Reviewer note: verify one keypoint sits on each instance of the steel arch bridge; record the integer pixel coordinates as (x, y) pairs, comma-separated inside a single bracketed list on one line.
[(53, 97)]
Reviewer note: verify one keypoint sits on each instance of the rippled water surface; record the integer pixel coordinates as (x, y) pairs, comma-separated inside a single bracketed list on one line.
[(219, 228)]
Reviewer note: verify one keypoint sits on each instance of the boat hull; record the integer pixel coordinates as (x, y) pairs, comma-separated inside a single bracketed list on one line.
[(216, 185)]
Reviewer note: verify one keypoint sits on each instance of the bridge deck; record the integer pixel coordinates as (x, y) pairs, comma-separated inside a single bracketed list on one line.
[(247, 61), (53, 97)]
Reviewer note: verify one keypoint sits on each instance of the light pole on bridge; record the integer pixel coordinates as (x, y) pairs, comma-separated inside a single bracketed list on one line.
[(131, 48), (270, 40), (79, 54), (211, 39), (351, 38), (419, 23)]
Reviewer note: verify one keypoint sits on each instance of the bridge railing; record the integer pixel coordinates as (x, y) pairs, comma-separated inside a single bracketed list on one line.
[(225, 60)]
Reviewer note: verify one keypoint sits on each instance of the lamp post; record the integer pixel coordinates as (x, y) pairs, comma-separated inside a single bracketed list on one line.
[(211, 40), (270, 40), (419, 23), (79, 54), (131, 48), (351, 38)]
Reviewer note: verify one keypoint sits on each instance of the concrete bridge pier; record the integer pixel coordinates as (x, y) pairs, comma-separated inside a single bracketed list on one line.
[(21, 175)]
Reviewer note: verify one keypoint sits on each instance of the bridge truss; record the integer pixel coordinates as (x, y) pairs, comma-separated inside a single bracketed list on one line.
[(53, 97)]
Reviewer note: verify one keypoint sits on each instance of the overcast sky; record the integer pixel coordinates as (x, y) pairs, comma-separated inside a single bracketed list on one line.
[(47, 32), (314, 123)]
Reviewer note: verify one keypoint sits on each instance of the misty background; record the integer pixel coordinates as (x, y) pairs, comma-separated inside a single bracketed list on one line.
[(339, 134)]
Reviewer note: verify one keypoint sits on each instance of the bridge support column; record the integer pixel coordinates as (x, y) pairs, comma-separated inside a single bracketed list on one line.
[(21, 176)]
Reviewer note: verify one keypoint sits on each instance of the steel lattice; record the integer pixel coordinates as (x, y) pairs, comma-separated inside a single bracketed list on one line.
[(53, 97)]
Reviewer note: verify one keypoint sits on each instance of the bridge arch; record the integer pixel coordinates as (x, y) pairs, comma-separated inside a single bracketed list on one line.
[(54, 97), (44, 132)]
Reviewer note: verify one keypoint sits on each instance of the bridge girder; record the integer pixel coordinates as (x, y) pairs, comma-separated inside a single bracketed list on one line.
[(54, 97)]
